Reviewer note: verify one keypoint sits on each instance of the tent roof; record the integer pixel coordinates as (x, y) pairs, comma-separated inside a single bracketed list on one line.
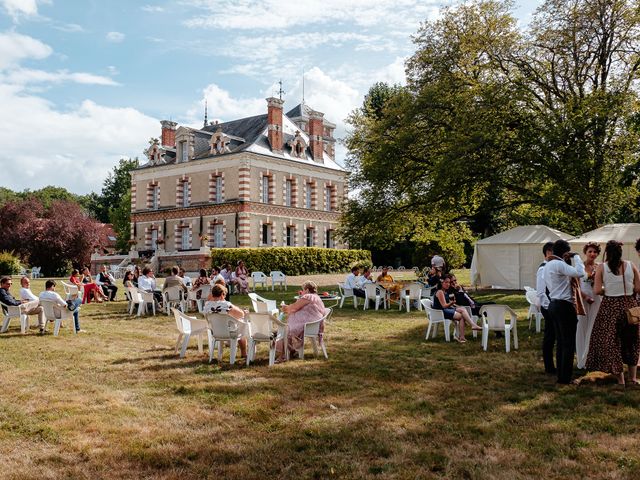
[(623, 232), (535, 234)]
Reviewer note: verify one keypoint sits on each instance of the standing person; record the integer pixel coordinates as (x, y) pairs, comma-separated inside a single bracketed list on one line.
[(28, 304), (50, 294), (438, 263), (613, 341), (558, 275), (591, 302), (549, 335), (108, 284)]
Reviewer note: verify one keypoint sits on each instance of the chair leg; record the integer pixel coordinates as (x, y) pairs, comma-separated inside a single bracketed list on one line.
[(234, 347), (315, 347), (485, 338), (447, 330), (212, 344), (426, 337), (407, 300), (5, 324), (56, 327), (250, 347), (178, 342), (219, 351), (24, 324), (272, 353), (185, 344), (507, 339)]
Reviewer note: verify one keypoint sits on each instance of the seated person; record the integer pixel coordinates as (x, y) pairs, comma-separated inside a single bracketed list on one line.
[(365, 277), (388, 283), (216, 275), (446, 303), (136, 275), (308, 308), (108, 284), (90, 289), (60, 304), (147, 283), (352, 282), (174, 280), (217, 304), (203, 279), (28, 304), (127, 281), (185, 279), (463, 298)]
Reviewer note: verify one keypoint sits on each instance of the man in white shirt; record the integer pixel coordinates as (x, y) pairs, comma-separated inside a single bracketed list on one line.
[(50, 294), (557, 276), (549, 338), (353, 283), (147, 283)]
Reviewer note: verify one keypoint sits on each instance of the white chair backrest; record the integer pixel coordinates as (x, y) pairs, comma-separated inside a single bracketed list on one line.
[(222, 326), (261, 325), (135, 295), (414, 290), (532, 297), (69, 289), (173, 294), (344, 290), (496, 315), (371, 289), (433, 314), (277, 275), (254, 301), (183, 322), (50, 312), (13, 311), (205, 291), (427, 303), (313, 328), (258, 276)]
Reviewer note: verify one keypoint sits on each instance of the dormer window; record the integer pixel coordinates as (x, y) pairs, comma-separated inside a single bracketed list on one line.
[(298, 145), (219, 143), (155, 153)]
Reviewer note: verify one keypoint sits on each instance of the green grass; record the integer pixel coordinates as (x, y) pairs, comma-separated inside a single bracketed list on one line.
[(117, 403)]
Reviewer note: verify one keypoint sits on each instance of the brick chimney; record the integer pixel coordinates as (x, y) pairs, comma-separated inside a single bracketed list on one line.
[(315, 135), (168, 133), (274, 119)]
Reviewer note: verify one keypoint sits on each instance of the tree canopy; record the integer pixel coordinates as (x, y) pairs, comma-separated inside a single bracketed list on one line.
[(499, 125)]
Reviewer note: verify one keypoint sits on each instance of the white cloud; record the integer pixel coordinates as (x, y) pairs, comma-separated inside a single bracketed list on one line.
[(275, 14), (17, 8), (15, 47), (24, 76), (115, 37), (152, 8), (74, 149), (69, 27), (113, 70), (223, 107)]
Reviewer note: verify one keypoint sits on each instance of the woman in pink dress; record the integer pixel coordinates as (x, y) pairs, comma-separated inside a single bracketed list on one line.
[(242, 280), (308, 308)]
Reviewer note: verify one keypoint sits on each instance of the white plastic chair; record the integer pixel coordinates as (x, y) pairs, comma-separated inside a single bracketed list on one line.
[(188, 326), (259, 278), (312, 332), (377, 293), (410, 293), (261, 304), (347, 292), (225, 328), (58, 314), (14, 312), (278, 277), (71, 291), (264, 327), (173, 296), (494, 318), (435, 317), (401, 268), (192, 296), (141, 298), (35, 272), (534, 309)]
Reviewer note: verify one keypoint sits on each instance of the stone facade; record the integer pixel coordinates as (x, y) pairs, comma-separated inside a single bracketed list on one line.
[(248, 183)]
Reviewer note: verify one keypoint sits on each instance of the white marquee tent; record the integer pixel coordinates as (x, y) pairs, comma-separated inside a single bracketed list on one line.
[(627, 233), (511, 259)]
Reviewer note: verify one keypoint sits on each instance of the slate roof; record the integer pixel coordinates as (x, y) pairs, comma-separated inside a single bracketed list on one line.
[(248, 134)]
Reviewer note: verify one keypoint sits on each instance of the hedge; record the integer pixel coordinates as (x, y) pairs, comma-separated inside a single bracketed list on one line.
[(9, 264), (292, 260)]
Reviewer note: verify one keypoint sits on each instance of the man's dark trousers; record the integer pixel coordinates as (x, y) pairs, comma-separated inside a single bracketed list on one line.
[(565, 321)]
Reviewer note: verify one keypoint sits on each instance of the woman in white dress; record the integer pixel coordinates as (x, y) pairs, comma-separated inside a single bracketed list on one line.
[(591, 302)]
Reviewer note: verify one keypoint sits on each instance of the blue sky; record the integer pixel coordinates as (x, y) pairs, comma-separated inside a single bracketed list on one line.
[(85, 82)]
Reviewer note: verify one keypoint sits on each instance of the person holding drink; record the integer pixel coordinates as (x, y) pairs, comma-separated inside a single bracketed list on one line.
[(447, 303)]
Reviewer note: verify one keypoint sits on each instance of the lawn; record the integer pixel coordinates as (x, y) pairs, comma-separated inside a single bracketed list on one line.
[(116, 402)]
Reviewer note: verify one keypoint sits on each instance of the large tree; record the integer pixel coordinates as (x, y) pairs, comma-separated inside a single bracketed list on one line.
[(499, 126)]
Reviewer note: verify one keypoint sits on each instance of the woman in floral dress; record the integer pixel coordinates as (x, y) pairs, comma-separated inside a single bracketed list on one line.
[(308, 308), (613, 341)]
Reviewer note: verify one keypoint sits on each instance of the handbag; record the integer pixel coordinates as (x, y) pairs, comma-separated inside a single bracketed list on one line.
[(632, 313)]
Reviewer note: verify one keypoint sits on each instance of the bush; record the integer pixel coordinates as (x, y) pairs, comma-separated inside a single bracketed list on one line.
[(9, 264), (293, 260)]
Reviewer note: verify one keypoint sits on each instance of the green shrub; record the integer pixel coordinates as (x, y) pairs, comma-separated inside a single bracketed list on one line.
[(9, 264), (293, 260)]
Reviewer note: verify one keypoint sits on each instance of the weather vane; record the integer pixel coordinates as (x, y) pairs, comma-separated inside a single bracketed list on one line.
[(281, 91)]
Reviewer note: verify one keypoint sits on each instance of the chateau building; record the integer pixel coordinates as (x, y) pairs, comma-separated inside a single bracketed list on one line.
[(266, 180)]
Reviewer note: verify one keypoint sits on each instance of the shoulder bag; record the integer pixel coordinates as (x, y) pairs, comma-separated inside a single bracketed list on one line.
[(633, 313)]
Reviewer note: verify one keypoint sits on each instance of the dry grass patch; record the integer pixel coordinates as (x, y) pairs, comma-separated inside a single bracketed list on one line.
[(117, 403)]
